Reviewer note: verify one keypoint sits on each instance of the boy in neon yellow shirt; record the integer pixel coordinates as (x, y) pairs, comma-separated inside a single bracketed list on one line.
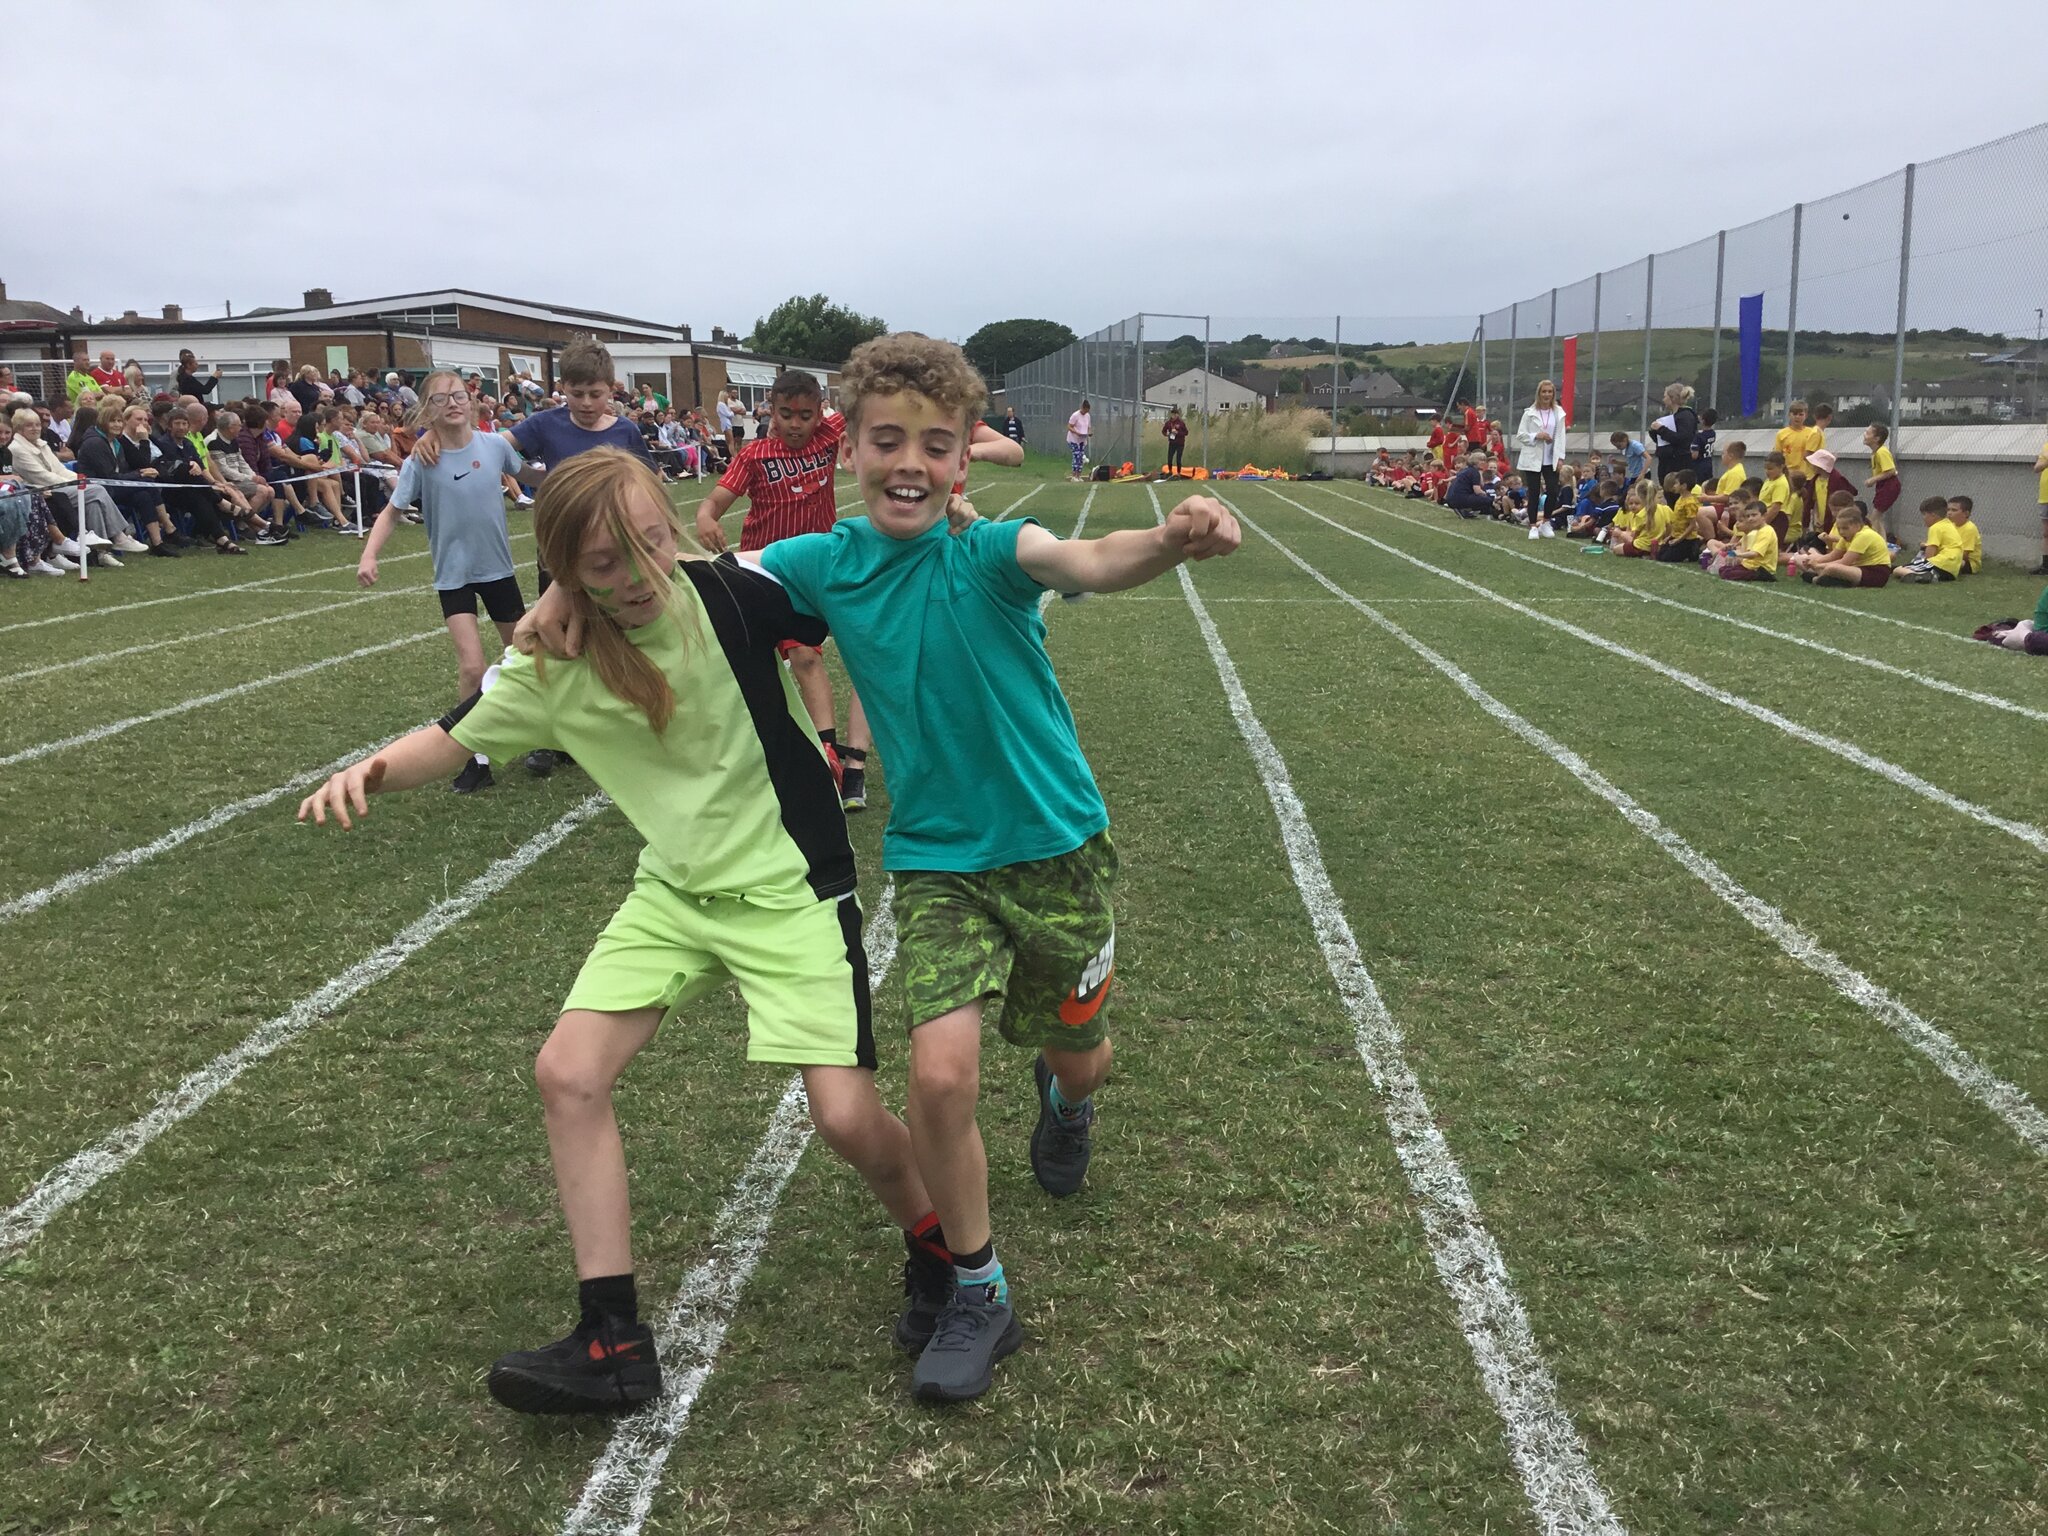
[(1968, 534), (1941, 548), (1857, 555)]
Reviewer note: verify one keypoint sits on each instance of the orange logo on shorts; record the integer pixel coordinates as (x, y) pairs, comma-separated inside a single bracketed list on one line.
[(1085, 1001)]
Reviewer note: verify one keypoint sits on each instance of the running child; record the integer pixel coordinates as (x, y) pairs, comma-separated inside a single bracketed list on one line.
[(747, 875), (787, 480), (459, 499), (997, 837)]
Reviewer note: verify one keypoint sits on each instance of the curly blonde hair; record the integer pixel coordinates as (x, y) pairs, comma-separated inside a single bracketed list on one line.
[(909, 362)]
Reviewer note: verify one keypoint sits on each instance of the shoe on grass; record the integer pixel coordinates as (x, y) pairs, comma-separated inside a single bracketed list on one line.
[(541, 763), (928, 1287), (853, 789), (606, 1368), (474, 776), (1060, 1145), (973, 1333)]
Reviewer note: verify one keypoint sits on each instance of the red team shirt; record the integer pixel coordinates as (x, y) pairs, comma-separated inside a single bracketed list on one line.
[(788, 490)]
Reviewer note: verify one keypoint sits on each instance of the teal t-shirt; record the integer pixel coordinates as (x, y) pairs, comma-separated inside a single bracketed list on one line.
[(943, 638)]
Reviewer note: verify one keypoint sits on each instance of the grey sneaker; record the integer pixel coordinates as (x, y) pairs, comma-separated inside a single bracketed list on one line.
[(927, 1289), (1059, 1146), (973, 1333)]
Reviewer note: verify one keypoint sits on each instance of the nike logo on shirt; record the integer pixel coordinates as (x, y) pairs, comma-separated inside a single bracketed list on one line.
[(465, 472)]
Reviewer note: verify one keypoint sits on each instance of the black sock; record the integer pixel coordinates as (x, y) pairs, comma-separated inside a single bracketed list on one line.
[(854, 757), (981, 1258), (830, 737), (608, 1296)]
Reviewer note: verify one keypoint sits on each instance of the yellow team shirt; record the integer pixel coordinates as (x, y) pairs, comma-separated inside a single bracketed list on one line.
[(1972, 540), (1687, 509), (1775, 495), (1943, 547), (1792, 444), (1656, 526), (2042, 489), (1760, 549), (1867, 548), (1730, 481), (1881, 462), (1628, 522)]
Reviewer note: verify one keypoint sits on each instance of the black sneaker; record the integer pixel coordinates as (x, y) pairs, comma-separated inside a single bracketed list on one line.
[(474, 776), (927, 1286), (603, 1369), (1059, 1145), (541, 763), (163, 551), (973, 1333), (853, 789)]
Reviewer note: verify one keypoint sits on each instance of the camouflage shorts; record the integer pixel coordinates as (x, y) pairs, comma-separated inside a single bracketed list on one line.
[(1038, 938)]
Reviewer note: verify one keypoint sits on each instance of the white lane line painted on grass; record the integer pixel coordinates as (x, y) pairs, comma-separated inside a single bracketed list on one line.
[(71, 1180), (2004, 1099), (233, 629), (2026, 832), (622, 1485), (1013, 506), (1472, 602), (1046, 598), (1790, 591), (1557, 1476), (117, 863), (318, 572), (1940, 685), (116, 727)]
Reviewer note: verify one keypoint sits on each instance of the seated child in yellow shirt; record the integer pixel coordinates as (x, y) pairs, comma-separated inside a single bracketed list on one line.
[(1856, 556), (1967, 531), (1752, 555), (1941, 548)]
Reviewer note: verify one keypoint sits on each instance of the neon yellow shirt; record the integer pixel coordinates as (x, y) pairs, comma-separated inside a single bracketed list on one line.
[(1881, 462), (1777, 492), (1867, 548), (1972, 540), (1730, 481), (1943, 547), (1760, 549)]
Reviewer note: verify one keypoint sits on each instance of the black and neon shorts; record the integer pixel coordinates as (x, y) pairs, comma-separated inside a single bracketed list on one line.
[(1037, 939)]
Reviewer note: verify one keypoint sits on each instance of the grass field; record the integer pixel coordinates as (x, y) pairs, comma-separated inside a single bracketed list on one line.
[(1579, 1068)]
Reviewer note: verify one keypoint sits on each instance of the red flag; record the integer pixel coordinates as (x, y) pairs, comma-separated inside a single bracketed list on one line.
[(1570, 387)]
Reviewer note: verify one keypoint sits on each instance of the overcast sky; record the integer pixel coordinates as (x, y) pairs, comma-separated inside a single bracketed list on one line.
[(943, 165)]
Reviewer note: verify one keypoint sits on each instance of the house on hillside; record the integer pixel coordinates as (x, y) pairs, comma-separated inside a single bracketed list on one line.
[(1185, 389), (485, 334)]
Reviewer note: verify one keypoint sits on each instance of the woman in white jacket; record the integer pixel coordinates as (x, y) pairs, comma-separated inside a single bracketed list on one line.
[(1541, 438)]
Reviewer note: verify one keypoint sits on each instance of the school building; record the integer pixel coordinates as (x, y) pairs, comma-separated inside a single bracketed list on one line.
[(482, 333)]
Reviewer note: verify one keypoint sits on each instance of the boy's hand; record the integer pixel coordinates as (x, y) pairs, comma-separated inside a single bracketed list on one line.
[(366, 570), (710, 533), (350, 787), (427, 449), (552, 625), (960, 512), (1201, 527)]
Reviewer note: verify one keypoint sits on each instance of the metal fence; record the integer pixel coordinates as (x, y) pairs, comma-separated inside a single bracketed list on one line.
[(1914, 298)]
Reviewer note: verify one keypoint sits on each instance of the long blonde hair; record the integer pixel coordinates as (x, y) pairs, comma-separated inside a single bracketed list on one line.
[(595, 490), (422, 413)]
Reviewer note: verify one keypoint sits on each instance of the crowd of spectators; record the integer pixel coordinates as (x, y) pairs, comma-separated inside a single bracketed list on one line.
[(110, 467), (1681, 498)]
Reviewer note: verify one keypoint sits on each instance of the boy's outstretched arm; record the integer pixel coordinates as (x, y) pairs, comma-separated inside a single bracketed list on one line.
[(428, 754), (988, 446), (1197, 529), (709, 511)]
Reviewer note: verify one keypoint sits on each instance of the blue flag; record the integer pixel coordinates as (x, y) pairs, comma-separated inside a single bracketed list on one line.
[(1751, 329)]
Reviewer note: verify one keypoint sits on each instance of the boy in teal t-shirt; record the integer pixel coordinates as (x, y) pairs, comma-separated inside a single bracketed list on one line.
[(997, 835)]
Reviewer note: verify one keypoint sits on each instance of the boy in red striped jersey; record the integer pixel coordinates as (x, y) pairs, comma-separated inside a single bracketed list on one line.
[(787, 480)]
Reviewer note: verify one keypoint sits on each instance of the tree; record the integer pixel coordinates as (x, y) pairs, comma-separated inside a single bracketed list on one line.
[(814, 329), (1004, 345)]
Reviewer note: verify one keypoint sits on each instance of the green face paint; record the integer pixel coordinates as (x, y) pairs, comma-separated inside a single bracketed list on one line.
[(602, 596)]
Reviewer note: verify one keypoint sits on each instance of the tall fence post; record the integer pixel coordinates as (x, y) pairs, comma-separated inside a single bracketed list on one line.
[(1550, 366), (1205, 392), (1792, 303), (1593, 391), (1649, 312), (1899, 343), (1720, 271), (1138, 400), (1483, 408), (1336, 377), (1514, 337)]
